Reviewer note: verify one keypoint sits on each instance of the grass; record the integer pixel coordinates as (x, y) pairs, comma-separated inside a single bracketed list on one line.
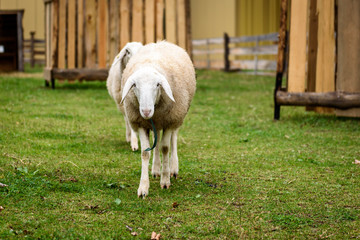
[(71, 175)]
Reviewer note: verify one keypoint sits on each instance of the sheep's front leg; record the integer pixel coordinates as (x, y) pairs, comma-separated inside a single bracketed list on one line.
[(174, 160), (165, 147), (131, 135), (134, 140), (145, 157), (155, 170)]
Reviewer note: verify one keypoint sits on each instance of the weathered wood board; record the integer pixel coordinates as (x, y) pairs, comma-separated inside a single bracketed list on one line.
[(348, 69), (297, 55)]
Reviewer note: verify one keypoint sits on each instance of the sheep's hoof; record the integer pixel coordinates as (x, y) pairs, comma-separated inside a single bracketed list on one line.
[(143, 189), (134, 148), (155, 173), (175, 175), (143, 196), (165, 186)]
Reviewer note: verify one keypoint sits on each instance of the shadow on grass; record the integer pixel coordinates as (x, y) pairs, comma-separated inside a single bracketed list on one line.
[(318, 119), (80, 85)]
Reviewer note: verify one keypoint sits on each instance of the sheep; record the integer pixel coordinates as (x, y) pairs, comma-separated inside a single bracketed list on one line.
[(113, 85), (158, 84)]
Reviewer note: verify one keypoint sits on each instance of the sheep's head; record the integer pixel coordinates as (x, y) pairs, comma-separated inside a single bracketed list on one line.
[(146, 84)]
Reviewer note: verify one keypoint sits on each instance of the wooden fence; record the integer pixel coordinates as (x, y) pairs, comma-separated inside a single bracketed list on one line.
[(227, 52), (83, 37), (324, 57), (34, 50)]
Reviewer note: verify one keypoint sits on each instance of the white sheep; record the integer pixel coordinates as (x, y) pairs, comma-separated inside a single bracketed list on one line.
[(113, 84), (158, 84)]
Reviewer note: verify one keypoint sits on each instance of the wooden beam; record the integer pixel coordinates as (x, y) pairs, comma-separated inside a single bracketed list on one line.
[(102, 33), (125, 23), (159, 19), (137, 21), (62, 34), (226, 53), (342, 100), (181, 23), (80, 74), (113, 33), (90, 34), (170, 16), (80, 34), (348, 57), (297, 54), (54, 33), (71, 33), (188, 28), (325, 61), (312, 46), (281, 56), (149, 21)]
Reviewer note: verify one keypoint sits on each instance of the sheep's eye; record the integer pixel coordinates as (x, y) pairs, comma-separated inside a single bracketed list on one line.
[(134, 85)]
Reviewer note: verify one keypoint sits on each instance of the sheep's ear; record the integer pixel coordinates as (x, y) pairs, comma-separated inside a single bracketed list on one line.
[(128, 85), (165, 85), (124, 52)]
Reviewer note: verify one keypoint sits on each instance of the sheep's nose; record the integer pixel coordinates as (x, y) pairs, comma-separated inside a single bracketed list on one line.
[(146, 112)]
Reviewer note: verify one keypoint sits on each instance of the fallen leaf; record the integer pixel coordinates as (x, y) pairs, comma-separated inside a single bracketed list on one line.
[(129, 228), (1, 208), (356, 161), (3, 185), (155, 236), (134, 233), (91, 207), (175, 205), (117, 201)]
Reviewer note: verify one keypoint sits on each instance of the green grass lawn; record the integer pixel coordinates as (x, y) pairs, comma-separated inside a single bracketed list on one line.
[(71, 175)]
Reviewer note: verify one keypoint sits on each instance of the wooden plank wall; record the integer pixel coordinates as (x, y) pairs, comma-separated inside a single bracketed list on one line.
[(348, 58), (315, 53), (90, 33)]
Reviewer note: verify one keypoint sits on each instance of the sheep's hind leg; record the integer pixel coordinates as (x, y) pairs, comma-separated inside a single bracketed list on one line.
[(155, 170), (128, 130), (165, 146), (174, 160), (143, 189)]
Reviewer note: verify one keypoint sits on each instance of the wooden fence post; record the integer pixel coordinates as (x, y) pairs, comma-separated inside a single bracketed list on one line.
[(208, 54), (226, 53), (281, 56), (32, 47), (256, 54)]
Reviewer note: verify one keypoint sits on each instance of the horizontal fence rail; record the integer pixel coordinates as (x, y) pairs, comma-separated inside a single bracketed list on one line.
[(34, 50), (225, 53)]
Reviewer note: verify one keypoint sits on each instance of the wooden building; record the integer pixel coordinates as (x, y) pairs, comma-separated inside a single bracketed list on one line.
[(11, 40)]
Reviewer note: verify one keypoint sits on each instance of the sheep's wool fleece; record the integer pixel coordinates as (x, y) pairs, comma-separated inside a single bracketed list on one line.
[(175, 64)]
